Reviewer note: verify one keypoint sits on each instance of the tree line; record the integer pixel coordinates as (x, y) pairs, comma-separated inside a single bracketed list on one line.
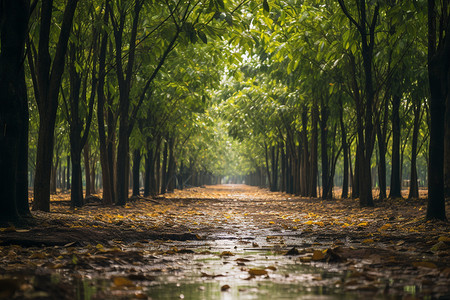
[(152, 91)]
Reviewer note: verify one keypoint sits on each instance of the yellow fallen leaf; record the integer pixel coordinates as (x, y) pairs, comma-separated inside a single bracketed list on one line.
[(444, 239), (368, 241), (308, 222), (226, 253), (318, 255), (363, 224), (424, 264), (319, 223), (257, 272), (385, 226), (122, 282)]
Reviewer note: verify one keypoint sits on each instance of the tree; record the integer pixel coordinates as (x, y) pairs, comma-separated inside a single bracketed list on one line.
[(48, 80), (438, 74), (13, 112)]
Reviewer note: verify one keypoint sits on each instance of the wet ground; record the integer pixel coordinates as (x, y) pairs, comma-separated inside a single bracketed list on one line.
[(228, 242)]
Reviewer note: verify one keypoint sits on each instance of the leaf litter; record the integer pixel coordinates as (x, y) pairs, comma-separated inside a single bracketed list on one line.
[(227, 239)]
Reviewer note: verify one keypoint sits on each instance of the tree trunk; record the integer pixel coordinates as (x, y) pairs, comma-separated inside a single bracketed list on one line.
[(68, 172), (438, 75), (413, 186), (345, 150), (314, 164), (164, 168), (87, 170), (274, 158), (13, 112), (136, 167), (76, 193), (382, 162), (324, 151), (395, 173), (171, 166), (49, 79)]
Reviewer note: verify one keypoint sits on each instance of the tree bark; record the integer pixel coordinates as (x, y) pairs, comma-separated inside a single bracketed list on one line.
[(413, 186), (87, 170), (136, 168), (345, 150), (13, 112), (438, 75), (314, 164), (395, 191)]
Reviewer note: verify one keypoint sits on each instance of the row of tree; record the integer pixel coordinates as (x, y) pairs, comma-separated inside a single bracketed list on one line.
[(329, 82), (153, 88)]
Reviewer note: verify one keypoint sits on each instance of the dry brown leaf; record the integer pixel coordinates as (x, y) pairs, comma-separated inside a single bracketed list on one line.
[(424, 264), (318, 255), (257, 272)]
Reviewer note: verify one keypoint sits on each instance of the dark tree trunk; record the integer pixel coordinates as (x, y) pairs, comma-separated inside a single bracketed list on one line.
[(87, 170), (381, 137), (124, 81), (164, 167), (107, 172), (305, 157), (413, 187), (68, 173), (314, 163), (283, 167), (274, 158), (395, 191), (171, 166), (13, 112), (157, 170), (326, 185), (136, 167), (76, 193), (438, 75), (49, 79), (355, 181), (148, 164), (345, 150)]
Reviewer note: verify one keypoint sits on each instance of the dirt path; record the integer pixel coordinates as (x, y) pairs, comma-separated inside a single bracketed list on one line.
[(227, 242)]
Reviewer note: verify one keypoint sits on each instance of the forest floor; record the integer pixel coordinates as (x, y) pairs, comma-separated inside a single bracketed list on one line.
[(228, 242)]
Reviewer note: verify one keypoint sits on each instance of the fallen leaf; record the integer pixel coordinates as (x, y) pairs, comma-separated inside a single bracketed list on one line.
[(257, 272), (226, 253), (444, 239), (318, 255), (424, 264), (122, 282), (225, 288), (368, 241)]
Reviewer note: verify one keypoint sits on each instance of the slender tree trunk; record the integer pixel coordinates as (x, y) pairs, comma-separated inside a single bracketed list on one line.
[(164, 168), (314, 164), (68, 172), (413, 186), (345, 150), (171, 166), (136, 167), (382, 162), (76, 193), (324, 151), (438, 74), (395, 191), (87, 170)]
